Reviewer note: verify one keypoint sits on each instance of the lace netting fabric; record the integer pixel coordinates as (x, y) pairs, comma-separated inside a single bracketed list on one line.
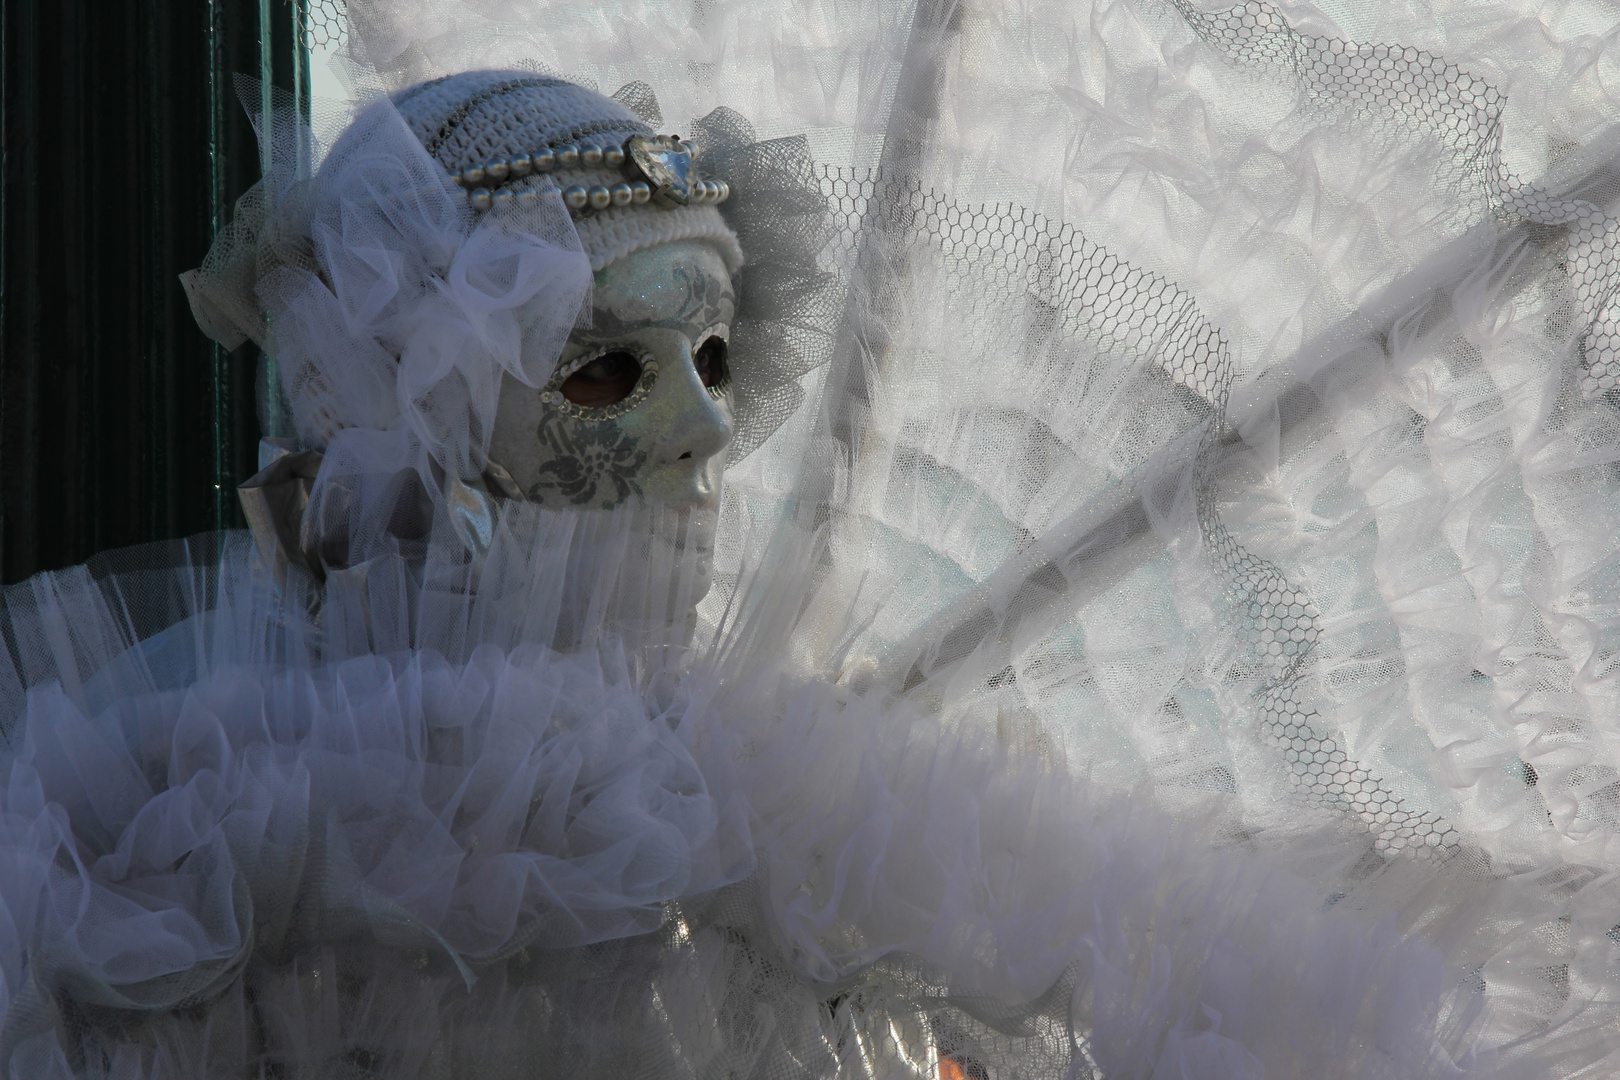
[(326, 25), (1111, 660), (1415, 86), (1007, 267)]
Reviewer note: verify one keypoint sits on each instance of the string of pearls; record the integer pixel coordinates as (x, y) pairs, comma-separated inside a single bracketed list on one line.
[(482, 182), (600, 197)]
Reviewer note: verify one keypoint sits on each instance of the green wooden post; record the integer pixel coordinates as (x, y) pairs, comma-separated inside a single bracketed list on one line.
[(124, 150)]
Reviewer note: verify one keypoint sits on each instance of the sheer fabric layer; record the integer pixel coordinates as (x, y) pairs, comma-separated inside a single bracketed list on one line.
[(1310, 550), (231, 850)]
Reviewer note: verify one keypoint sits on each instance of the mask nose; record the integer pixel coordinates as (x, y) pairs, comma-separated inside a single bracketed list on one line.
[(700, 427)]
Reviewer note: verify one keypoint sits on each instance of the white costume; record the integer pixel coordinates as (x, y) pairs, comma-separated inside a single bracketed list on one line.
[(1161, 620)]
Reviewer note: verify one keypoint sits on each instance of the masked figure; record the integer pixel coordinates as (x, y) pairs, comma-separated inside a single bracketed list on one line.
[(740, 607)]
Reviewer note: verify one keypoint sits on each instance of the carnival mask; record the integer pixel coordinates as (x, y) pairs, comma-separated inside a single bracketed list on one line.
[(639, 405)]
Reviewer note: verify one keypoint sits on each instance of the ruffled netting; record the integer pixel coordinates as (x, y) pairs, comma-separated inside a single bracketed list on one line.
[(1102, 675), (472, 792), (493, 857)]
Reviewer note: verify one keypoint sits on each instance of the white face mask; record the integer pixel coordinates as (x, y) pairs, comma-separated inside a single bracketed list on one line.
[(640, 404)]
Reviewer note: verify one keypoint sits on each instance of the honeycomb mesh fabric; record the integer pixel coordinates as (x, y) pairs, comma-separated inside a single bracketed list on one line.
[(785, 971), (1408, 84), (326, 25), (1011, 539), (1416, 86), (1312, 686), (1005, 273), (787, 302)]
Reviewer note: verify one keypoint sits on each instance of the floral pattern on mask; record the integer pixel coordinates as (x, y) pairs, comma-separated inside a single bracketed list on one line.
[(588, 459)]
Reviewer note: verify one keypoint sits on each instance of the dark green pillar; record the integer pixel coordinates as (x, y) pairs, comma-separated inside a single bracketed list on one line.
[(124, 147)]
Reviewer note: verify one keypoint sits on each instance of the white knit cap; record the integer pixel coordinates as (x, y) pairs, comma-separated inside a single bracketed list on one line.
[(475, 117)]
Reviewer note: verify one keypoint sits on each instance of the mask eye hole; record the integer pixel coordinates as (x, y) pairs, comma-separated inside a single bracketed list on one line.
[(607, 380), (710, 361)]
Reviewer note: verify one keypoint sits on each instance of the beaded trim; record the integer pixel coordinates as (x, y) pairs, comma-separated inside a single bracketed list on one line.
[(551, 393), (722, 331), (658, 169)]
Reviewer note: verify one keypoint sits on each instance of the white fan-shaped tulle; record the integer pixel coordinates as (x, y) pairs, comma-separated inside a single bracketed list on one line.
[(1177, 637)]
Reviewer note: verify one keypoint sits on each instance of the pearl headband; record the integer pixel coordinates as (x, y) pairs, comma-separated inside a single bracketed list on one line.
[(658, 170)]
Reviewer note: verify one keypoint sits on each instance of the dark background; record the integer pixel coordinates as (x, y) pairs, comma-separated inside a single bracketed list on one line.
[(122, 148)]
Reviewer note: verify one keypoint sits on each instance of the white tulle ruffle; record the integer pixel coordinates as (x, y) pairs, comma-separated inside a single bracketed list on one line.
[(1177, 637), (453, 866)]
